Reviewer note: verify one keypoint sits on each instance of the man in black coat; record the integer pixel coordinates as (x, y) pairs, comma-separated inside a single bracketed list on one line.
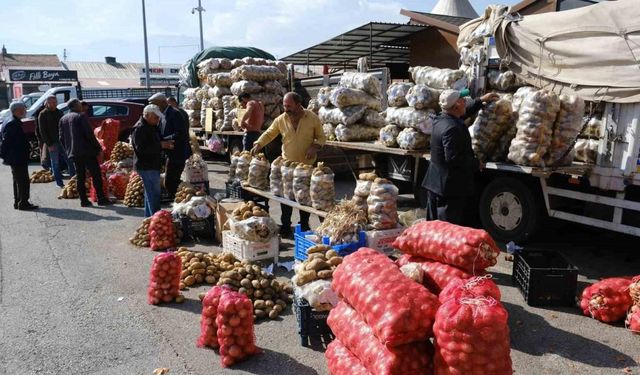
[(450, 177), (82, 148), (173, 127), (14, 151), (174, 103), (48, 122)]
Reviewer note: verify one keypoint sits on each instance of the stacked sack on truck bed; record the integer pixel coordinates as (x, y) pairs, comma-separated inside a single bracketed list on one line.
[(350, 112)]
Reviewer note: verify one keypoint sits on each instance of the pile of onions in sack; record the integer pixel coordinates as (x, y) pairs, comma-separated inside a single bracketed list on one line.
[(164, 281), (235, 328), (161, 231)]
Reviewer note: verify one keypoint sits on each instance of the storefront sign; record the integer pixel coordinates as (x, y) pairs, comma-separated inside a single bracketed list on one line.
[(33, 75)]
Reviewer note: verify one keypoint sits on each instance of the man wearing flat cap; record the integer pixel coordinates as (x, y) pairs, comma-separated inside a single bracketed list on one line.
[(173, 128), (450, 177)]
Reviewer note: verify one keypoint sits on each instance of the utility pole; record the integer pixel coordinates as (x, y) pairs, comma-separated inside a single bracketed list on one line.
[(199, 9), (146, 49)]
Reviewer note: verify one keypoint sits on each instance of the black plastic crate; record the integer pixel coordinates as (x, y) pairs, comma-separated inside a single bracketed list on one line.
[(235, 190), (311, 323), (545, 278)]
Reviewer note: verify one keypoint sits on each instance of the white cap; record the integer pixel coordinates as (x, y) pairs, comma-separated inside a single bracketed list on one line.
[(157, 96), (448, 98)]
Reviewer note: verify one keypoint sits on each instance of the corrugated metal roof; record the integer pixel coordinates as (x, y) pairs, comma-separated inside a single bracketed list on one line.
[(29, 60), (448, 19), (386, 42), (103, 70)]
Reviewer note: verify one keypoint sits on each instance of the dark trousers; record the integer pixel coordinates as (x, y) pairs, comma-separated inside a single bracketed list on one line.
[(248, 139), (21, 185), (285, 218), (449, 209), (172, 176), (83, 164)]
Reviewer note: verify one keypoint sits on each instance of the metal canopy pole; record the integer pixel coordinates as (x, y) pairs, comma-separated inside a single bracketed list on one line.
[(370, 44), (146, 49)]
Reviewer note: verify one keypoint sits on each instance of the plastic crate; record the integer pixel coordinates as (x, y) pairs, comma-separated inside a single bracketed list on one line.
[(382, 240), (204, 228), (311, 323), (302, 244), (250, 250), (233, 189), (545, 278)]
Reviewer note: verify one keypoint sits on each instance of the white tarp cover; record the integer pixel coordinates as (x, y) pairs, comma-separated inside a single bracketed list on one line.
[(593, 52)]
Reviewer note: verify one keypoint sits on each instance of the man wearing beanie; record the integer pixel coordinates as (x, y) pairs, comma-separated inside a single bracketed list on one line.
[(449, 180)]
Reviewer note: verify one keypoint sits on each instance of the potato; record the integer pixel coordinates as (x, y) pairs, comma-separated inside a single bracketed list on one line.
[(269, 303), (264, 283), (317, 265), (335, 261), (183, 286), (318, 249), (198, 265), (198, 271), (210, 279), (255, 269), (189, 280), (316, 256), (269, 290), (259, 313), (258, 293), (305, 277), (179, 298), (267, 297), (201, 295), (278, 308), (259, 304), (331, 253), (242, 290), (199, 278), (273, 314), (281, 303), (255, 284), (185, 273), (325, 274)]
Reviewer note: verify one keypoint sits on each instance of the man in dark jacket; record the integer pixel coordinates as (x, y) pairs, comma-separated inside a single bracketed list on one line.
[(14, 151), (450, 177), (48, 121), (173, 127), (174, 103), (147, 147), (82, 148)]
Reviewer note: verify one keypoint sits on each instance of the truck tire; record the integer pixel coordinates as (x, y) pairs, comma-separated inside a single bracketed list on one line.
[(34, 149), (509, 210)]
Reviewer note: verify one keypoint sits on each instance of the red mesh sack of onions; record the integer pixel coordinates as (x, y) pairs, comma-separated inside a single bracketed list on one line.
[(164, 282), (342, 362), (472, 337), (633, 319), (118, 184), (349, 327), (472, 250), (478, 286), (208, 327), (161, 231), (93, 195), (235, 328), (608, 300), (107, 167), (398, 309), (436, 275)]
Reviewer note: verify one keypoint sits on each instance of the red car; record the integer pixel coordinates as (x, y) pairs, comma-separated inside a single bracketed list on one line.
[(127, 113)]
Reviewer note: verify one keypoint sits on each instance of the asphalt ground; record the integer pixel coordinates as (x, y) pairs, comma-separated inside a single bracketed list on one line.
[(73, 300)]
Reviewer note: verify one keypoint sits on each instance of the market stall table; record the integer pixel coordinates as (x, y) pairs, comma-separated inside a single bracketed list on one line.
[(294, 204)]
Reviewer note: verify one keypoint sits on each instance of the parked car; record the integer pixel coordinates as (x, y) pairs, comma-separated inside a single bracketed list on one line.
[(99, 110)]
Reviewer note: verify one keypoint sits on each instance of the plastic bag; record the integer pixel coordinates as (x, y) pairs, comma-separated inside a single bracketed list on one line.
[(208, 327), (535, 128), (319, 294), (356, 133), (503, 144), (235, 328), (233, 165), (413, 271), (423, 97), (366, 82), (411, 139), (594, 128), (373, 119), (491, 124), (323, 96), (287, 169), (586, 150), (214, 144), (472, 337), (329, 131), (259, 172), (313, 106), (345, 97), (565, 130), (408, 117), (347, 116), (220, 79), (341, 361), (389, 136), (503, 81), (164, 278), (478, 286), (440, 79), (161, 231), (118, 184), (256, 229), (435, 275), (472, 250), (403, 309), (245, 87), (351, 329), (302, 184), (608, 300), (258, 73), (275, 177), (382, 204), (196, 169), (322, 188), (397, 92), (242, 166), (363, 184), (519, 97)]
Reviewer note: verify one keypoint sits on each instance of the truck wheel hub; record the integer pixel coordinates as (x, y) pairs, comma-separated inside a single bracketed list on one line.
[(506, 211)]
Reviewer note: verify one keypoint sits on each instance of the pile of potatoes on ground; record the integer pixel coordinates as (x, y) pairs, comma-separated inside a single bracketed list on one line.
[(141, 236), (321, 262), (42, 176)]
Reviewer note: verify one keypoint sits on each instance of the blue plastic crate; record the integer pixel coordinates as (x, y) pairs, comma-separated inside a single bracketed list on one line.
[(302, 244)]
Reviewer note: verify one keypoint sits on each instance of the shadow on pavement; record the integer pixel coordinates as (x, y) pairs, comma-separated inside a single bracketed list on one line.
[(75, 214), (532, 334), (124, 210), (189, 305), (267, 361)]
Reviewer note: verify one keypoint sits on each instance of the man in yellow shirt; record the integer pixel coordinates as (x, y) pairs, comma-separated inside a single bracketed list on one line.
[(302, 137)]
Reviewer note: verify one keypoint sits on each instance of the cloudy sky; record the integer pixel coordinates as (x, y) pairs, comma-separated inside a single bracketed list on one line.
[(92, 29)]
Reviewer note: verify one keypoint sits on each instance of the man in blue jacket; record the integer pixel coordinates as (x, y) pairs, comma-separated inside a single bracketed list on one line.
[(14, 151), (449, 180)]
